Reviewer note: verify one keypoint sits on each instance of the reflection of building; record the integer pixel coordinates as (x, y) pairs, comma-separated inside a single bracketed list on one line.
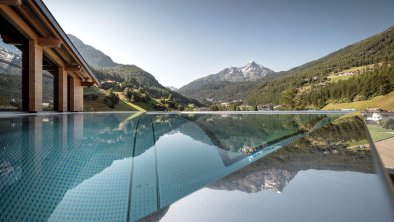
[(375, 117), (45, 47)]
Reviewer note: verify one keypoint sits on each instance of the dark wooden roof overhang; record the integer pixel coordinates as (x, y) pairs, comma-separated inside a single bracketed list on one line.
[(33, 19)]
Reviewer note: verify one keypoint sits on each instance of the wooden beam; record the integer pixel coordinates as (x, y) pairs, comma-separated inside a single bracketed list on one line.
[(78, 96), (73, 68), (43, 20), (31, 17), (35, 77), (72, 75), (25, 78), (76, 75), (18, 22), (13, 40), (50, 53), (62, 90), (49, 68), (70, 91), (89, 84), (49, 42), (11, 2)]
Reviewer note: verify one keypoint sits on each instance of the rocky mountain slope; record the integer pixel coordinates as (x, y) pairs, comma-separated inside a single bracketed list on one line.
[(249, 72), (9, 58), (229, 84)]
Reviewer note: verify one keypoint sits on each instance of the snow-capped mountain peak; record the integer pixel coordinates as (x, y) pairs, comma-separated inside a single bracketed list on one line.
[(249, 72), (7, 56)]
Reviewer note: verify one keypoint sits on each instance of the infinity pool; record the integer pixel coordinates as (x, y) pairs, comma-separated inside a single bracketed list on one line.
[(189, 167)]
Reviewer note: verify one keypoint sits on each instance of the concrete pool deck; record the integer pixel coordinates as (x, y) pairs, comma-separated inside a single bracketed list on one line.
[(385, 149)]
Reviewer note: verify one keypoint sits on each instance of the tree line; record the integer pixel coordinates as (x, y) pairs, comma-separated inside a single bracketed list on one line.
[(357, 88), (376, 49)]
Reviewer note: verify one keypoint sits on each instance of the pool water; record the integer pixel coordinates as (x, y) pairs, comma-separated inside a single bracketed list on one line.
[(129, 166)]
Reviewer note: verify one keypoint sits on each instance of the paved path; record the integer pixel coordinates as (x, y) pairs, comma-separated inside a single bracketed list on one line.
[(386, 151)]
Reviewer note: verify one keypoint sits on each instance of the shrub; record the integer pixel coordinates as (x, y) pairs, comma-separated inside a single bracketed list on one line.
[(111, 99)]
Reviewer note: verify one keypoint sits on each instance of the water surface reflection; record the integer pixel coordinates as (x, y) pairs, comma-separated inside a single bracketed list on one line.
[(123, 167)]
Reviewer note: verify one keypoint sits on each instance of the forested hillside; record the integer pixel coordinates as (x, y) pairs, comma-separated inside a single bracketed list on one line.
[(219, 90), (130, 76), (309, 85)]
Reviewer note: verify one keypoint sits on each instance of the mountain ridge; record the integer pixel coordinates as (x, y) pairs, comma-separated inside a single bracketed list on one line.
[(249, 72), (93, 56), (231, 83), (118, 76)]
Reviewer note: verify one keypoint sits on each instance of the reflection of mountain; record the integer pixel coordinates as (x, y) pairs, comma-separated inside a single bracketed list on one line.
[(154, 160), (276, 170), (230, 133), (256, 180), (233, 132)]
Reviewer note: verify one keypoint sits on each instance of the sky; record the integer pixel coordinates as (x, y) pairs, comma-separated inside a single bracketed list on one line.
[(179, 41)]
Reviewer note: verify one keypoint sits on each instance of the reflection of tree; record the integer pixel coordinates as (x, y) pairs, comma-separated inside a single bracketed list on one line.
[(230, 133), (389, 124), (343, 130), (234, 132), (275, 171)]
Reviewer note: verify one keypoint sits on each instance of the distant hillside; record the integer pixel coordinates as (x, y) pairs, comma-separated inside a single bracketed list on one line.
[(385, 102), (93, 57), (309, 85), (134, 77), (218, 91), (172, 88), (229, 84), (119, 77)]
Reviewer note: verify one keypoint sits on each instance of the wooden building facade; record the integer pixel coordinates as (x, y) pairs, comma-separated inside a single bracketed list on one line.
[(30, 26)]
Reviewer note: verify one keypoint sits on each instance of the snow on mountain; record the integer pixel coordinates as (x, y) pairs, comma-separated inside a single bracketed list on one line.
[(172, 88), (8, 58), (249, 72)]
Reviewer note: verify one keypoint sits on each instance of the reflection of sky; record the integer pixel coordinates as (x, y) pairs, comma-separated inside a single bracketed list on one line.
[(98, 197), (313, 195)]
